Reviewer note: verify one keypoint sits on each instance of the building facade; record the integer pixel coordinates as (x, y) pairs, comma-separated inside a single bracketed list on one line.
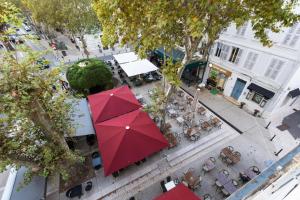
[(264, 79)]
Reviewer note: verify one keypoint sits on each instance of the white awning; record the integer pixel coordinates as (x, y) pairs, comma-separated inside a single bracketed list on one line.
[(126, 57), (138, 67)]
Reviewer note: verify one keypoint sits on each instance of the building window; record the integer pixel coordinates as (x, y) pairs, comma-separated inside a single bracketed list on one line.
[(257, 98), (250, 60), (242, 29), (292, 36), (235, 55), (222, 51), (274, 68)]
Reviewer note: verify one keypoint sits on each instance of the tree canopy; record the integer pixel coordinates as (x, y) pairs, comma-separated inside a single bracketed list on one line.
[(10, 15), (187, 23), (89, 73), (34, 118)]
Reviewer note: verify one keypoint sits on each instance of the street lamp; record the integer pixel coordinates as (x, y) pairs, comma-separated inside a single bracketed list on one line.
[(196, 98)]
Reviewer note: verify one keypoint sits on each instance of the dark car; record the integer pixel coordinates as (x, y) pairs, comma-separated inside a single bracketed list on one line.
[(43, 63)]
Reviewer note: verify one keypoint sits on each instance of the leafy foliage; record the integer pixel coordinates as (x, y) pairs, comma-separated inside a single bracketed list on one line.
[(9, 15), (34, 118), (187, 23), (88, 73)]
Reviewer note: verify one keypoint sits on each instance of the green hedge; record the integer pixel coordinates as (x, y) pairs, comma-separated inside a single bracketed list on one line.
[(89, 73)]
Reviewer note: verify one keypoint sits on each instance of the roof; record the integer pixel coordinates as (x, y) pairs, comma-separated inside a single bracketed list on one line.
[(33, 191), (138, 67), (126, 57), (294, 93), (266, 93), (180, 192), (81, 118)]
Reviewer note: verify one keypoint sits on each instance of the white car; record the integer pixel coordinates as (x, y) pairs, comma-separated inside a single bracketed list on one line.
[(27, 28)]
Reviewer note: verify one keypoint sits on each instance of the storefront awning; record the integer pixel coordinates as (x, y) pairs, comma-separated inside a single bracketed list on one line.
[(175, 54), (294, 93), (266, 93), (196, 64)]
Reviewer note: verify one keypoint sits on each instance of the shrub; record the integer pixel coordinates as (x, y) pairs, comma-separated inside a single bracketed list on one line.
[(88, 74)]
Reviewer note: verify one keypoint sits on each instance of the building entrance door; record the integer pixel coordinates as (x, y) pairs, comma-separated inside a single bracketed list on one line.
[(238, 88)]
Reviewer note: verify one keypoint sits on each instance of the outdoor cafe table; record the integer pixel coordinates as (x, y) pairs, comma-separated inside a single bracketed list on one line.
[(215, 121), (222, 178), (230, 155), (191, 179), (205, 125), (229, 187)]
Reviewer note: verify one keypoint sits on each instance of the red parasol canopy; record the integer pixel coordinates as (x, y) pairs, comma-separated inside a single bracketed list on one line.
[(180, 192), (127, 139), (112, 103)]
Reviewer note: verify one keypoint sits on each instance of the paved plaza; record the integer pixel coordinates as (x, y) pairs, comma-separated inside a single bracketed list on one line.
[(143, 181)]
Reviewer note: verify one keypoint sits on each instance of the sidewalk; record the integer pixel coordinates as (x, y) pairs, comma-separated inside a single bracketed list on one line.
[(249, 126)]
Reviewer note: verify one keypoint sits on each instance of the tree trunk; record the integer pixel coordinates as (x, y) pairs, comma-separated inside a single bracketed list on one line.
[(84, 46), (39, 117)]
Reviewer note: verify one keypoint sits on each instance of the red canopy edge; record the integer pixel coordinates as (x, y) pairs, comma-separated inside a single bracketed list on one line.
[(180, 192)]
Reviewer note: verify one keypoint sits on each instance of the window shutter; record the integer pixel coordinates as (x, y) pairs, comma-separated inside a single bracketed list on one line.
[(294, 41), (287, 38), (238, 57), (253, 61), (270, 68), (247, 62), (224, 52), (277, 69)]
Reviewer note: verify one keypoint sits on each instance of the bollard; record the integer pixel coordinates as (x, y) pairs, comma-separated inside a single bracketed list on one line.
[(272, 138), (268, 125), (276, 154)]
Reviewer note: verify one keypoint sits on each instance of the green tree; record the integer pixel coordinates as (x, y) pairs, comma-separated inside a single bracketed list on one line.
[(189, 24), (75, 16), (87, 74), (10, 15), (34, 118)]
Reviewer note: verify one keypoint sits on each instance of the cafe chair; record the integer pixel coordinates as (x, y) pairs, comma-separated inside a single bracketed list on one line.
[(207, 197), (225, 172), (238, 154), (169, 179), (226, 194), (212, 159), (234, 182), (230, 148), (218, 184), (89, 186)]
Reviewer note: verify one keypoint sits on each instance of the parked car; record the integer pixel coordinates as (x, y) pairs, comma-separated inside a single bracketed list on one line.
[(43, 63), (27, 28)]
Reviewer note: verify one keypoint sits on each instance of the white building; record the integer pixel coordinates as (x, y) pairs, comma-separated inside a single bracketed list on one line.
[(265, 79)]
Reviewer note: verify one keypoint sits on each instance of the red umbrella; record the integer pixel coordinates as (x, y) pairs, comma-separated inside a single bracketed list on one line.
[(127, 139), (112, 103), (180, 192)]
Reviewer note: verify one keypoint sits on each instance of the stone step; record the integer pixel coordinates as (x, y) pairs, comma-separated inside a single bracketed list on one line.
[(205, 144), (191, 147)]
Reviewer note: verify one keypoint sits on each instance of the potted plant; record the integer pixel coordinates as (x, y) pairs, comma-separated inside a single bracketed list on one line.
[(242, 105)]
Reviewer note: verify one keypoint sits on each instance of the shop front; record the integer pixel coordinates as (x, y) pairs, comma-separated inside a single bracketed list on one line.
[(194, 72), (217, 77)]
